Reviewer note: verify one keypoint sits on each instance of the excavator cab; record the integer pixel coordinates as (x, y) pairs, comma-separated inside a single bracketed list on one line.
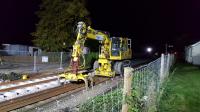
[(120, 48), (115, 46)]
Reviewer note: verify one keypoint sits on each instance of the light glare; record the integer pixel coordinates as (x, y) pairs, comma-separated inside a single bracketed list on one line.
[(149, 49)]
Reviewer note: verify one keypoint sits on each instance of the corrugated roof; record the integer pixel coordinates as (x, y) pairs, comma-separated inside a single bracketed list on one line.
[(198, 43)]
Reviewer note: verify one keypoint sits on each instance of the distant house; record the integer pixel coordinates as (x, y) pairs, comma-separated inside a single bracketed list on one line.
[(192, 53), (16, 49)]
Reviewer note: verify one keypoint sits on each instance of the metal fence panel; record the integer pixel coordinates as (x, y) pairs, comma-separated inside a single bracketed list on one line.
[(24, 62)]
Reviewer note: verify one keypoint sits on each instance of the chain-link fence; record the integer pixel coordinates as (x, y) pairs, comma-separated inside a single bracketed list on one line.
[(51, 60), (138, 92), (26, 62), (109, 100)]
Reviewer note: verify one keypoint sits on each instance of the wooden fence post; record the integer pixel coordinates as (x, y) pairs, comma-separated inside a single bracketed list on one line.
[(128, 74)]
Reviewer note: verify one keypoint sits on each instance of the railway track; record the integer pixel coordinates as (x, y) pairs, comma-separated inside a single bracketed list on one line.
[(14, 89), (28, 99), (20, 89), (34, 76), (26, 85)]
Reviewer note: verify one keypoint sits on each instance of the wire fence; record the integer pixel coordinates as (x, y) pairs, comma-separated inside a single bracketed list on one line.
[(106, 101), (136, 93), (144, 88), (26, 62)]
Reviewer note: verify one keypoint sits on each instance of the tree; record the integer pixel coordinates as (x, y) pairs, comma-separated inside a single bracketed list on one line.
[(56, 21)]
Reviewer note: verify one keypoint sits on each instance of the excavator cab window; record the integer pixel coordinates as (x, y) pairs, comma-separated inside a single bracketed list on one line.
[(129, 43), (115, 46)]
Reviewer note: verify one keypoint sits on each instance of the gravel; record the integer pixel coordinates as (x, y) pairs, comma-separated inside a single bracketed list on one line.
[(70, 103)]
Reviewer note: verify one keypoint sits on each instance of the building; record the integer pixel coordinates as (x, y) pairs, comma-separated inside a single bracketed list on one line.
[(192, 53), (16, 49)]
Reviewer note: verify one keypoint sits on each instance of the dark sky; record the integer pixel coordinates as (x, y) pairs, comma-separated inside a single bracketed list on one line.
[(147, 22), (17, 20)]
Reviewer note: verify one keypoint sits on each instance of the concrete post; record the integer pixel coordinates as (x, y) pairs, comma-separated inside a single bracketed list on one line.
[(35, 61), (162, 68), (127, 87)]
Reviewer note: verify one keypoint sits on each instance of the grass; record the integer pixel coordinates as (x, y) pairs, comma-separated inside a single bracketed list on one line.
[(109, 102), (182, 92)]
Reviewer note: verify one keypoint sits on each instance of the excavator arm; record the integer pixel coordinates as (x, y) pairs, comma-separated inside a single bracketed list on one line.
[(83, 32)]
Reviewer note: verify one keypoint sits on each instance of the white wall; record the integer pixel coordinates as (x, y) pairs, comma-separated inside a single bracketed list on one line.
[(196, 50), (196, 54), (14, 49), (188, 54)]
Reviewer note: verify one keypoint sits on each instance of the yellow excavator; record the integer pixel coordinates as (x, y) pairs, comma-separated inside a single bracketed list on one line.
[(114, 54)]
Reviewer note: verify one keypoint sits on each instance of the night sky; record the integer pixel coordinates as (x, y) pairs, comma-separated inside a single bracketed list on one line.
[(147, 22), (17, 20)]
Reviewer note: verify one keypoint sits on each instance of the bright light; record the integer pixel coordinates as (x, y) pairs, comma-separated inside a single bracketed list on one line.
[(149, 49)]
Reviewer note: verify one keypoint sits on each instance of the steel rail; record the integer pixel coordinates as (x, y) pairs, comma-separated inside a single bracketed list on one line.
[(43, 95)]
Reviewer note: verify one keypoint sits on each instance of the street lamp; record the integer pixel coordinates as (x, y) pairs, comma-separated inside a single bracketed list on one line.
[(149, 49)]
